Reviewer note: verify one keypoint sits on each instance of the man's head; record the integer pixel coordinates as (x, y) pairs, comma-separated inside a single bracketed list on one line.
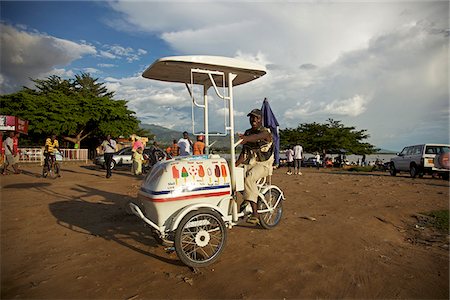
[(174, 141), (185, 135), (200, 138), (53, 137), (108, 137), (11, 134), (255, 118)]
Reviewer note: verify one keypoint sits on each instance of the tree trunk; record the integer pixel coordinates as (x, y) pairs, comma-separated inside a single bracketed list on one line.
[(77, 139)]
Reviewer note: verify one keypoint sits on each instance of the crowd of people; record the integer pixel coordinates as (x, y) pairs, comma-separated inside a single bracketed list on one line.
[(143, 157)]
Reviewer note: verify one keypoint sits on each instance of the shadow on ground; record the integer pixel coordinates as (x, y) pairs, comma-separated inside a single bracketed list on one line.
[(106, 218)]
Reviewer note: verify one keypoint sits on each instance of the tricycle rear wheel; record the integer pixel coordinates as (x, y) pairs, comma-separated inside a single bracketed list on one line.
[(200, 238)]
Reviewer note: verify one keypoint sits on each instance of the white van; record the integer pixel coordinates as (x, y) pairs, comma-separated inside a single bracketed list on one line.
[(422, 159)]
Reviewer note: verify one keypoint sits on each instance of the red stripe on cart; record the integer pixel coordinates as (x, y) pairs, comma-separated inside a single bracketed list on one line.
[(188, 197)]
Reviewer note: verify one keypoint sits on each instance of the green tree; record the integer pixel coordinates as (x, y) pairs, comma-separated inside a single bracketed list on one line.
[(332, 136), (72, 109)]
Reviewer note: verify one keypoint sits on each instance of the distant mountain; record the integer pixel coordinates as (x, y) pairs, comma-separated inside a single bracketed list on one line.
[(386, 151), (165, 136), (162, 134)]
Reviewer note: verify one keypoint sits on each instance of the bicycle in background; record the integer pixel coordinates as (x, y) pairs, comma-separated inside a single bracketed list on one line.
[(51, 166)]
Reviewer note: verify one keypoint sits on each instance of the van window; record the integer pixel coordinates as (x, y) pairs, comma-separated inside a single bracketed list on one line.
[(436, 149), (404, 151), (417, 150)]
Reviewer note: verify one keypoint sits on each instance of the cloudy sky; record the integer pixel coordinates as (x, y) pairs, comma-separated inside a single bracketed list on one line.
[(375, 65)]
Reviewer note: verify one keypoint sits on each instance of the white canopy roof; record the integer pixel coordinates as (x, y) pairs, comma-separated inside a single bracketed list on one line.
[(178, 69)]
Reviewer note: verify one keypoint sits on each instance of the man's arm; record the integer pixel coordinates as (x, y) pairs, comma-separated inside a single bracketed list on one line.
[(240, 159), (265, 135)]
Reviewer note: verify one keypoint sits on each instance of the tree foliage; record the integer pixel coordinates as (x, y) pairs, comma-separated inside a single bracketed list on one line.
[(70, 108), (330, 137)]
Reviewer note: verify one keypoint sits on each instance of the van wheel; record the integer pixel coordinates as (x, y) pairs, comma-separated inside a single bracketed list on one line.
[(392, 169), (413, 171)]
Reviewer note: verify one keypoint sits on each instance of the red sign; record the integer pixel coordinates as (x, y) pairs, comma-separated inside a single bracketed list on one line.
[(12, 123)]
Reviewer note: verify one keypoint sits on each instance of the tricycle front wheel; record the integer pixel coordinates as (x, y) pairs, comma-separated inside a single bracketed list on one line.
[(200, 238), (269, 220)]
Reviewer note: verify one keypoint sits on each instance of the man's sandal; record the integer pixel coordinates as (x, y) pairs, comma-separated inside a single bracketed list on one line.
[(253, 220)]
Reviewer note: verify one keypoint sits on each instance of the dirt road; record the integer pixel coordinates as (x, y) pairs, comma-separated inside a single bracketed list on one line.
[(343, 235)]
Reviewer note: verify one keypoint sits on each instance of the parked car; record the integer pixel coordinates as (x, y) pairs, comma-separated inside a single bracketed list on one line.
[(422, 159), (124, 157), (310, 162)]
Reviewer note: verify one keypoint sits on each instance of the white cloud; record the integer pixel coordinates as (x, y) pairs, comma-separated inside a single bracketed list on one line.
[(106, 65), (91, 70), (27, 55), (120, 52), (353, 106)]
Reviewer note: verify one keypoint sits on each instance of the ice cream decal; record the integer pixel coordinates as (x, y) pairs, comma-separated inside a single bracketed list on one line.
[(184, 174), (175, 174), (201, 172)]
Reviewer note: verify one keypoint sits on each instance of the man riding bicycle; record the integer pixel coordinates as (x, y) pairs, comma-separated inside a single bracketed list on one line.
[(49, 152)]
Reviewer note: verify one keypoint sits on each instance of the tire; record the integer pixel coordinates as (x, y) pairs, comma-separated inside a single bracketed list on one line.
[(392, 169), (200, 245), (413, 171), (271, 219)]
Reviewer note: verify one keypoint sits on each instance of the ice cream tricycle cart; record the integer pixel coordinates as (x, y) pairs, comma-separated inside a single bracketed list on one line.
[(189, 202)]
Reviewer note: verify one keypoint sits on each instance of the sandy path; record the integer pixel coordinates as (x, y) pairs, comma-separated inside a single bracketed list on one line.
[(71, 238)]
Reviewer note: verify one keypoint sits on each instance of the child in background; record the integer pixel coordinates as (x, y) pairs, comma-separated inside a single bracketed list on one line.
[(138, 159)]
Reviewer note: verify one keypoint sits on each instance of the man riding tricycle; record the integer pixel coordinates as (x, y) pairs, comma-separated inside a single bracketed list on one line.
[(189, 201)]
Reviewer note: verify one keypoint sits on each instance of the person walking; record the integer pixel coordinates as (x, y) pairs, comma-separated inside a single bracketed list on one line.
[(10, 154), (109, 148), (185, 145), (16, 151), (290, 159), (298, 155), (257, 155)]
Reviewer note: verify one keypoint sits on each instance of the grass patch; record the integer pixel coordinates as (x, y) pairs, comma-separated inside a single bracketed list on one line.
[(359, 168), (440, 219)]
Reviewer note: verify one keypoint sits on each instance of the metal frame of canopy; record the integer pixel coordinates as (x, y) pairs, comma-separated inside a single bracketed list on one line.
[(233, 71)]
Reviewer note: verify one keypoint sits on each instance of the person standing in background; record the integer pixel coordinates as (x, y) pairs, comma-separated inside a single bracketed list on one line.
[(199, 146), (109, 148), (318, 162), (173, 150), (138, 159), (185, 145), (298, 155), (290, 159), (16, 151)]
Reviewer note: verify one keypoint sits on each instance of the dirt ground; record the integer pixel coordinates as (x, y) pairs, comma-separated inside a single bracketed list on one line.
[(342, 235)]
